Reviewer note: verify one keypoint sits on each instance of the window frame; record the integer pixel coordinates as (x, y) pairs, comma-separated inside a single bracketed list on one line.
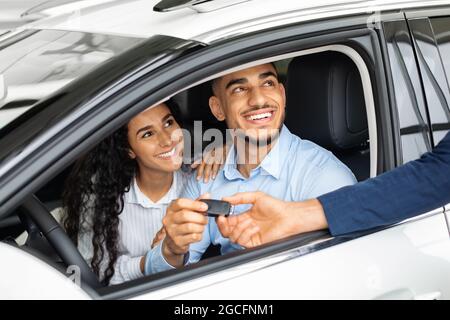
[(283, 247)]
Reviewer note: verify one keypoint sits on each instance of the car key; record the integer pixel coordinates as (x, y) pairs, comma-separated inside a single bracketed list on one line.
[(218, 207)]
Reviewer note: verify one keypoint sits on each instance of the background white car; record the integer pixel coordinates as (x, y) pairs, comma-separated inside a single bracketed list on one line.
[(374, 74), (15, 13)]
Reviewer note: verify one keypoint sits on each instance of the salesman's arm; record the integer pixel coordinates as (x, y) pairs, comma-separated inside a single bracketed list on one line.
[(411, 189), (414, 188)]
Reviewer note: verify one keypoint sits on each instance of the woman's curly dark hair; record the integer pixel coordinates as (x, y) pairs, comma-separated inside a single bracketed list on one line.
[(94, 194), (95, 187)]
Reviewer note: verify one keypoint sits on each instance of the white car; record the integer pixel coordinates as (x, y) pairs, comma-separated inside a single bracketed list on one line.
[(373, 72), (15, 13)]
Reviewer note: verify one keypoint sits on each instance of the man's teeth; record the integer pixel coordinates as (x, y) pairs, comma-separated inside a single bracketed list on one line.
[(167, 154), (259, 116)]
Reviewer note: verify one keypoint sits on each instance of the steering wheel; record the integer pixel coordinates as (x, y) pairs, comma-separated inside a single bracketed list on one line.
[(36, 214)]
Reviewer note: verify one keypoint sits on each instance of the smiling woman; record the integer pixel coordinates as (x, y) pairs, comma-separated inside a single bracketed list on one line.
[(117, 194), (156, 143)]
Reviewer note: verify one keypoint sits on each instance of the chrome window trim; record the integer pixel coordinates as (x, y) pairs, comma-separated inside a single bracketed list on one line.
[(213, 278), (427, 13)]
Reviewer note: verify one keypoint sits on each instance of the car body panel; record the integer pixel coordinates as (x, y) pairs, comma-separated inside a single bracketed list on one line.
[(23, 276), (393, 264)]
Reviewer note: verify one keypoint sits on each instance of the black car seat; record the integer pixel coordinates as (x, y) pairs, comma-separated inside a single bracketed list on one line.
[(325, 104), (194, 105)]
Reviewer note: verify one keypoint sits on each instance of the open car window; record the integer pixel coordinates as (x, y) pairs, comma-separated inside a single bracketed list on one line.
[(292, 66), (194, 107)]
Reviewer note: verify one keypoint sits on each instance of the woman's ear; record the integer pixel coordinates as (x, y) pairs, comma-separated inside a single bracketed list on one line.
[(131, 154), (216, 108)]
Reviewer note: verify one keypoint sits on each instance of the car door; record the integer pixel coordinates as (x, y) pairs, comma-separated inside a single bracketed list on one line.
[(405, 261)]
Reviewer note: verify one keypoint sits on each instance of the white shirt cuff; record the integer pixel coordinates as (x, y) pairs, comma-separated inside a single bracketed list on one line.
[(134, 268)]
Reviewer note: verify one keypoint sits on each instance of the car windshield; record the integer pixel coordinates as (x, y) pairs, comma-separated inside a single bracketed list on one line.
[(34, 64)]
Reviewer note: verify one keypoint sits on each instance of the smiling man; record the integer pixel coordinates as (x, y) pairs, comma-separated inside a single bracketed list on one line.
[(266, 156)]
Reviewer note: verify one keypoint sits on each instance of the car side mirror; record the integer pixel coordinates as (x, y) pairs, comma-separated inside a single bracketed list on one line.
[(3, 89)]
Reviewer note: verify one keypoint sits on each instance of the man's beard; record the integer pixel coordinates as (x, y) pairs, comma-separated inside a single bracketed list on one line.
[(261, 141)]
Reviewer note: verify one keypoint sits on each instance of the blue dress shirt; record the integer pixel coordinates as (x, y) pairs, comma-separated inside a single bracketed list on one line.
[(293, 170)]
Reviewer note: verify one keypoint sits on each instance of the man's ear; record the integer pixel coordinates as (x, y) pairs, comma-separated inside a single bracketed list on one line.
[(283, 93), (216, 108)]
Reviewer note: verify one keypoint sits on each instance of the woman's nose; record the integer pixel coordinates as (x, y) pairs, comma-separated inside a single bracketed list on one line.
[(165, 139)]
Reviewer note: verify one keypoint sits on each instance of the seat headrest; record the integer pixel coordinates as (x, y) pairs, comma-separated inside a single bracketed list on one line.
[(194, 105), (325, 101)]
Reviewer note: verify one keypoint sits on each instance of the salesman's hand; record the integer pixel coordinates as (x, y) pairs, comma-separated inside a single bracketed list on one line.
[(184, 223), (270, 219), (264, 222)]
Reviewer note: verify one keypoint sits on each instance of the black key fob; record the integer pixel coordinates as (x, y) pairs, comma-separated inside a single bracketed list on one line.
[(218, 207)]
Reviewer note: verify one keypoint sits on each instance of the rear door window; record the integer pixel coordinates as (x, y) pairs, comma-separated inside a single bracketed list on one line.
[(441, 29), (409, 97)]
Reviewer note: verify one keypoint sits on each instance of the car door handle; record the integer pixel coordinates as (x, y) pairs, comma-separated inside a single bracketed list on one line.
[(407, 294), (436, 295), (398, 294)]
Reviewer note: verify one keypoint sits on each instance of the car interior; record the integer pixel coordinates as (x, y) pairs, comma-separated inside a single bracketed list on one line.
[(325, 104), (335, 120)]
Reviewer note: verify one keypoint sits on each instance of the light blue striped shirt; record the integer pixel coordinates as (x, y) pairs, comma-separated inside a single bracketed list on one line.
[(293, 170)]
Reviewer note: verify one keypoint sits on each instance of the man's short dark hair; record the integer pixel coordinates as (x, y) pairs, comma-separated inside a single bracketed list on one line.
[(214, 81)]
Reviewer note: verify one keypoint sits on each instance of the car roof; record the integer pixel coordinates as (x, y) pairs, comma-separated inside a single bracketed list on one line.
[(138, 19)]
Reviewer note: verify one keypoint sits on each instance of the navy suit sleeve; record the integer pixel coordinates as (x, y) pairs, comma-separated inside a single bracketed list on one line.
[(411, 189)]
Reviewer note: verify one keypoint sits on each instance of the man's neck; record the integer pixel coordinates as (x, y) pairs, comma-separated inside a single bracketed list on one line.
[(154, 184), (250, 156)]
